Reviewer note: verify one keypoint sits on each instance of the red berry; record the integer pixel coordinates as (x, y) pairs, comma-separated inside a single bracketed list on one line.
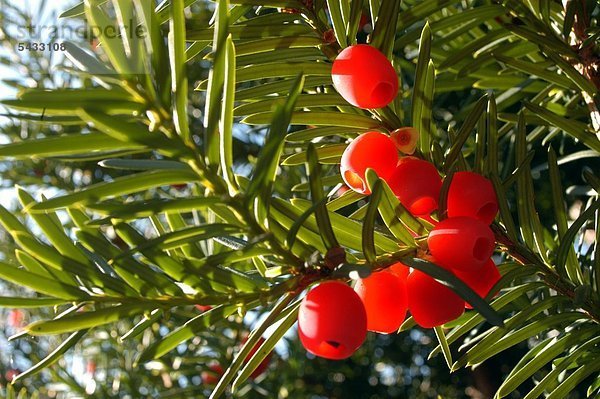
[(471, 194), (461, 243), (340, 191), (400, 270), (482, 281), (90, 367), (262, 367), (15, 318), (332, 321), (364, 19), (406, 139), (431, 303), (417, 185), (369, 150), (213, 374), (384, 296), (364, 77), (10, 374), (203, 308)]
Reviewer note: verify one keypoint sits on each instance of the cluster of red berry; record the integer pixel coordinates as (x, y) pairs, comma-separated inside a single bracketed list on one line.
[(463, 244), (333, 318)]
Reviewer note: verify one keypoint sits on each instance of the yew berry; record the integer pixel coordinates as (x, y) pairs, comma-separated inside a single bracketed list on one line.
[(262, 367), (340, 191), (417, 185), (11, 374), (90, 367), (332, 321), (431, 303), (15, 318), (364, 77), (369, 150), (406, 139), (400, 270), (461, 243), (213, 374), (471, 194), (364, 20), (203, 308), (384, 296), (482, 281)]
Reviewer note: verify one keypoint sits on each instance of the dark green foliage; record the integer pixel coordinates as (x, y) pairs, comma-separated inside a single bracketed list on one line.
[(176, 210)]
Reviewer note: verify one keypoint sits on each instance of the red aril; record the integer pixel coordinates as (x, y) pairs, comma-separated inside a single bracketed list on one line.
[(213, 374), (384, 296), (90, 367), (364, 77), (406, 139), (482, 281), (430, 303), (15, 318), (400, 270), (461, 243), (203, 308), (417, 185), (332, 321), (11, 374), (471, 194), (262, 367), (364, 19), (369, 150)]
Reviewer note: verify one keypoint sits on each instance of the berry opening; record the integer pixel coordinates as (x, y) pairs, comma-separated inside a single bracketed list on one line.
[(335, 344), (382, 93), (354, 180), (332, 350), (423, 206), (404, 138), (487, 211), (481, 249)]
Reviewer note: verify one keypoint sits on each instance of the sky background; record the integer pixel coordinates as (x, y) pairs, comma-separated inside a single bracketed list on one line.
[(33, 7), (44, 12)]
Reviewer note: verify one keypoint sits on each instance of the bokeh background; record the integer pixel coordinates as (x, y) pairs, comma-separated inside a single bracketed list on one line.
[(101, 366)]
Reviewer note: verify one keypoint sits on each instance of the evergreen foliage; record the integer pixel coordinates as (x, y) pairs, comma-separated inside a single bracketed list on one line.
[(186, 211)]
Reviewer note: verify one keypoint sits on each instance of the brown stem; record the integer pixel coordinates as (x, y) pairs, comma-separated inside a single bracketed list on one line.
[(588, 63), (552, 279)]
